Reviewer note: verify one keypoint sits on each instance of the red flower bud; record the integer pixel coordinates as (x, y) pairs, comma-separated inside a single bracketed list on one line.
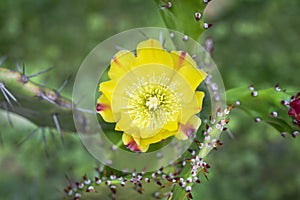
[(295, 109)]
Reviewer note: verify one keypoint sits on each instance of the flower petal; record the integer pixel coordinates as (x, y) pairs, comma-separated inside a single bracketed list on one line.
[(182, 58), (150, 51), (144, 143), (192, 107), (171, 126), (120, 64), (104, 108), (141, 144), (193, 75), (187, 68), (107, 88), (187, 130), (125, 124), (130, 142)]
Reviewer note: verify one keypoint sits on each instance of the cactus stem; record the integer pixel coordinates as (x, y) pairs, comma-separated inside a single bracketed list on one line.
[(56, 123), (7, 95)]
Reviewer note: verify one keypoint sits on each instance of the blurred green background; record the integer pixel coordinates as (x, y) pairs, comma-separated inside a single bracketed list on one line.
[(256, 42)]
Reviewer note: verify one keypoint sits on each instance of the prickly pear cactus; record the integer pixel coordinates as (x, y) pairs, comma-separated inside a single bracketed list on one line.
[(274, 106), (46, 107)]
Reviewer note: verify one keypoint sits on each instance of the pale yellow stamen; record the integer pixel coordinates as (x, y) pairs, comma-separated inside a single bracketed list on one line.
[(152, 103)]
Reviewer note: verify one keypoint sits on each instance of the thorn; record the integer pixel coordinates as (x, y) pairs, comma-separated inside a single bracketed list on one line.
[(198, 16), (283, 134), (185, 38), (25, 78), (53, 136), (40, 72), (251, 87), (172, 35), (44, 141), (254, 93), (161, 40), (28, 136), (23, 69), (167, 4), (274, 114), (64, 84), (7, 113), (257, 119), (277, 87), (294, 134), (86, 110), (56, 122), (6, 93), (209, 46), (43, 96), (207, 26), (144, 34), (18, 68), (2, 59), (230, 134), (120, 48)]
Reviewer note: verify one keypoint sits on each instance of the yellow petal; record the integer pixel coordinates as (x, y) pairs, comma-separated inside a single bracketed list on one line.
[(107, 88), (187, 68), (130, 143), (193, 75), (150, 51), (120, 64), (126, 138), (171, 126), (117, 128), (125, 124), (104, 108), (182, 58), (200, 96), (144, 143), (193, 107), (181, 88), (187, 130)]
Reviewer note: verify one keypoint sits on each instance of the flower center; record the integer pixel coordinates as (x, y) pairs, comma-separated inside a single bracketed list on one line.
[(152, 103), (151, 106)]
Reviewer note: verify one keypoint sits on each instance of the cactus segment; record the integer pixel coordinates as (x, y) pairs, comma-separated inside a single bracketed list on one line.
[(43, 106), (184, 16), (269, 105)]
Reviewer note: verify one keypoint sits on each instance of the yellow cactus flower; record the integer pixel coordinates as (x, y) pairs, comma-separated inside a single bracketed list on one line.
[(151, 95)]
